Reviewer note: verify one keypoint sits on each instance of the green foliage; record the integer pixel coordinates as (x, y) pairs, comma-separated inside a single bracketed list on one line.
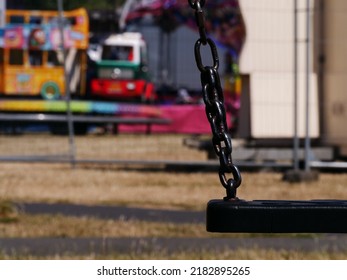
[(8, 212)]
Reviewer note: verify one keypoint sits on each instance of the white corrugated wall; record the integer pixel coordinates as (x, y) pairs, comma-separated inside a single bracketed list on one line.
[(268, 57)]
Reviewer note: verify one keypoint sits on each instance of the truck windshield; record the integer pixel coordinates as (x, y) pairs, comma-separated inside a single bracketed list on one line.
[(124, 53)]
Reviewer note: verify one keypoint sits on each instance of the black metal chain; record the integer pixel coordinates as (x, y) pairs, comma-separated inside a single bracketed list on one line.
[(214, 101)]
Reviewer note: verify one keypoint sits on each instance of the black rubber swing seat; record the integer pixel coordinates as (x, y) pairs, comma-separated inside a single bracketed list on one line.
[(277, 216)]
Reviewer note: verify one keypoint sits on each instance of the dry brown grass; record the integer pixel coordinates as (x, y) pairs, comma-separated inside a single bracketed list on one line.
[(112, 185), (120, 147), (62, 226)]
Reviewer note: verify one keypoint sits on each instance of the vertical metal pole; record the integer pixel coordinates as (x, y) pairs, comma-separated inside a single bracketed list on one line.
[(67, 88), (2, 13), (168, 58), (295, 74), (307, 136), (161, 57), (320, 35), (174, 59)]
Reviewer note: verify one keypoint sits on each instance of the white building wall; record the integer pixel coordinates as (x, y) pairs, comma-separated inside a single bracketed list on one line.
[(268, 57)]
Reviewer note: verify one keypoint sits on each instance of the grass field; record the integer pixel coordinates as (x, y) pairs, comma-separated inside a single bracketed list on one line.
[(94, 184)]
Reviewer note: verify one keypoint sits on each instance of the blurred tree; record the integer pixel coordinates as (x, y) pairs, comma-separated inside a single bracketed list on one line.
[(68, 4)]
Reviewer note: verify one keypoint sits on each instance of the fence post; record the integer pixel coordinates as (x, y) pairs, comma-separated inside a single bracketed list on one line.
[(308, 68), (296, 174), (67, 89), (295, 90)]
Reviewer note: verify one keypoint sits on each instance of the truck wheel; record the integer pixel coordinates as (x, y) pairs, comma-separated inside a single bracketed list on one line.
[(62, 129), (50, 91)]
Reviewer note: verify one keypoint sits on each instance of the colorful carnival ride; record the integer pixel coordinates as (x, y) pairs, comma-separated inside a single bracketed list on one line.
[(31, 60), (31, 56)]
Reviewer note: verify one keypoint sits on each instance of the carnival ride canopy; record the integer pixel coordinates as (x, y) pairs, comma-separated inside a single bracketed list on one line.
[(224, 22)]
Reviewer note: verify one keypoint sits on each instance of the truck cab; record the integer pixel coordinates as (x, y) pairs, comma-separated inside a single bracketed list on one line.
[(121, 71)]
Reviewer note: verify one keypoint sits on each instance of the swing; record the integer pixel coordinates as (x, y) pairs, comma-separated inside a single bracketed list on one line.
[(232, 214)]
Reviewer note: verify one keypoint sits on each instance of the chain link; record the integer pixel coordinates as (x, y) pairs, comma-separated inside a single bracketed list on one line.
[(213, 97)]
